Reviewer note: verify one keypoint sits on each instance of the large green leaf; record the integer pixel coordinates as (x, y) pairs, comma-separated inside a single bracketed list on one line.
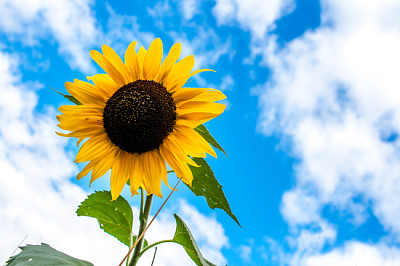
[(184, 237), (114, 217), (202, 130), (205, 184), (39, 255), (69, 97)]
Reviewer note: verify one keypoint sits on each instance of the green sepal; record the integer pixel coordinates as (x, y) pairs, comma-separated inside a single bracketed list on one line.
[(184, 237), (114, 217), (69, 97), (205, 184), (202, 130), (38, 255)]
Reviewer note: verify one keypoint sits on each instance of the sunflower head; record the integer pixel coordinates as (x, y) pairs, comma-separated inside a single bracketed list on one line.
[(138, 117)]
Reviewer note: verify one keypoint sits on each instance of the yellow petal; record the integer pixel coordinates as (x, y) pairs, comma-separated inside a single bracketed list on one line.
[(187, 145), (152, 60), (105, 83), (191, 137), (85, 93), (83, 117), (86, 170), (146, 185), (181, 168), (185, 94), (152, 168), (108, 67), (137, 174), (80, 108), (200, 107), (141, 54), (173, 145), (163, 168), (169, 62), (194, 119), (79, 124), (131, 61), (181, 82), (118, 175), (86, 132), (79, 141), (93, 148), (209, 96), (104, 164), (179, 72), (116, 61)]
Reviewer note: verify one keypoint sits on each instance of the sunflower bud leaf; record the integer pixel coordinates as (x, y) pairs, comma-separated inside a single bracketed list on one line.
[(72, 99), (202, 130), (114, 217), (184, 237), (44, 255), (69, 97), (205, 184)]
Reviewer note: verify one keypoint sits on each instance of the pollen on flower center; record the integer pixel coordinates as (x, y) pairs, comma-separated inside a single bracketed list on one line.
[(139, 116)]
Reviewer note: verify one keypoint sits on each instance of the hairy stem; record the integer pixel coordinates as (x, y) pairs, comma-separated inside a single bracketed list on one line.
[(143, 222)]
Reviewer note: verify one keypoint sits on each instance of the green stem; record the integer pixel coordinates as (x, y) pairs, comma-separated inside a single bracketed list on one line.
[(143, 222), (155, 244), (140, 215), (141, 202)]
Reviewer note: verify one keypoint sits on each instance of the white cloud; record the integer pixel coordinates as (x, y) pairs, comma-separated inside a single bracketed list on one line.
[(189, 8), (38, 199), (308, 242), (356, 253), (334, 96), (70, 23), (257, 16)]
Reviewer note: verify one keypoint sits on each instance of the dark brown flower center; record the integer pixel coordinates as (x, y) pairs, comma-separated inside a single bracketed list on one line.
[(139, 116)]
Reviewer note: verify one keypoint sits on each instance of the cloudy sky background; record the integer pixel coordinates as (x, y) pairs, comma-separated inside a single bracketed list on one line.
[(311, 129)]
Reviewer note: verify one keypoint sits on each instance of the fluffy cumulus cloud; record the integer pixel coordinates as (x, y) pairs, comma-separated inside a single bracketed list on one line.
[(334, 95), (355, 253), (257, 16), (189, 8), (70, 23)]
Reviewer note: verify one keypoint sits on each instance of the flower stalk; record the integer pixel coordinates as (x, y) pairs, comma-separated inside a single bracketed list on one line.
[(144, 215)]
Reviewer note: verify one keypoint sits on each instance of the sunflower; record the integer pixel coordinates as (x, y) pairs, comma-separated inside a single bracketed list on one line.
[(138, 117)]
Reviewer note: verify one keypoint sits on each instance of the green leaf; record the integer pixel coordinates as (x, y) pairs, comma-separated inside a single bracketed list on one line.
[(202, 130), (114, 217), (69, 97), (38, 255), (184, 237), (205, 184)]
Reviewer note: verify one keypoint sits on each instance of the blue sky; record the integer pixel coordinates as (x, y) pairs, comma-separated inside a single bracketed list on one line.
[(311, 126)]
